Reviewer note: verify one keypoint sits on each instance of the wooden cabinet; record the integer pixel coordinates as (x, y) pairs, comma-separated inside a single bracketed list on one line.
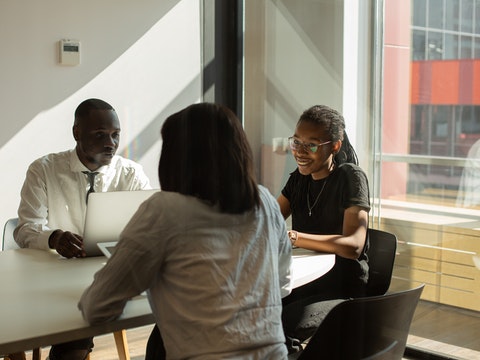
[(439, 255)]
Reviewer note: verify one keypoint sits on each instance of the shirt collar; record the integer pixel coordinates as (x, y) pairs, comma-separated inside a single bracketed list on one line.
[(77, 166)]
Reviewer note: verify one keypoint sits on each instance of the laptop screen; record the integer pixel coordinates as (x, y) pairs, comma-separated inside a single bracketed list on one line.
[(107, 214)]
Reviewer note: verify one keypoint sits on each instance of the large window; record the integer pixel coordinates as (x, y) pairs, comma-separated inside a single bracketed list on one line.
[(406, 76)]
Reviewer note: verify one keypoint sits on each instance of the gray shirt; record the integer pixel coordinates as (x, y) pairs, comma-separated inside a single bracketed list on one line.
[(214, 280)]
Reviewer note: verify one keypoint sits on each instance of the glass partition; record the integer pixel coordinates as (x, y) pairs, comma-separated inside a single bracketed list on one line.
[(406, 75), (428, 160)]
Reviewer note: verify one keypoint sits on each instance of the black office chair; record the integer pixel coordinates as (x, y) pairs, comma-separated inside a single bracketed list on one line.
[(381, 258), (368, 328)]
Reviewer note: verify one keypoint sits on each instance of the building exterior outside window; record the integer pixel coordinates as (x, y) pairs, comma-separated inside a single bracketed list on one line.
[(445, 95)]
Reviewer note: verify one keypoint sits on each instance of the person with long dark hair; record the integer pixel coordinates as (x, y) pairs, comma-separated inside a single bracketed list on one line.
[(211, 248), (328, 199)]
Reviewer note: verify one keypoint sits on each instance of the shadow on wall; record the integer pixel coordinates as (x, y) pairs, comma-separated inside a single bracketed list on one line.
[(33, 80), (143, 71)]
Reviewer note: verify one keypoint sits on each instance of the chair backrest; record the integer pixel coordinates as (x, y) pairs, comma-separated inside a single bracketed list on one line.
[(374, 327), (8, 242), (381, 257)]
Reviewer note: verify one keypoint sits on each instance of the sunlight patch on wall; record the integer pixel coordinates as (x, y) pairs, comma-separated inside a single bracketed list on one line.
[(153, 75)]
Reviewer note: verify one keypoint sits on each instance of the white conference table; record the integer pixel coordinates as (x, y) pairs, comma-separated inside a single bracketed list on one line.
[(40, 291)]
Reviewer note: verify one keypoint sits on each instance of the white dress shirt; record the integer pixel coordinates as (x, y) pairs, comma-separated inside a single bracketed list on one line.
[(214, 280), (53, 195)]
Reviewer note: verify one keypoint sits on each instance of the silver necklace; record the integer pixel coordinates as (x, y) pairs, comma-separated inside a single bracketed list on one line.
[(316, 200)]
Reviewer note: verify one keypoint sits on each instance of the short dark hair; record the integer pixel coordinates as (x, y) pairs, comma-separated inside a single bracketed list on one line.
[(205, 153), (83, 110)]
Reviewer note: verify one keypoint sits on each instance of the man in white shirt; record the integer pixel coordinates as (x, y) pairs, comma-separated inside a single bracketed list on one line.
[(55, 193)]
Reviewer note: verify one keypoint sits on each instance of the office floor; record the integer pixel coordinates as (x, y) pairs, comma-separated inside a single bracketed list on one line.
[(450, 333), (105, 345), (446, 330)]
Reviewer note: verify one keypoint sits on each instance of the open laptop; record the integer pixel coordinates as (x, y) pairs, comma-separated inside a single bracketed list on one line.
[(107, 214)]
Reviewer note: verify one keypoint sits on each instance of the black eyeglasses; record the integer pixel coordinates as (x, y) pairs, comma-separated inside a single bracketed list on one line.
[(296, 144)]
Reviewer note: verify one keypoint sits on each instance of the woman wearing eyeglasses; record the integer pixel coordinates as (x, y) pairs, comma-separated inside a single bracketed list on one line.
[(328, 199)]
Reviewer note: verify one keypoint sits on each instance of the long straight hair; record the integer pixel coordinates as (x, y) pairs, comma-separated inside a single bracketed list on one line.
[(205, 153)]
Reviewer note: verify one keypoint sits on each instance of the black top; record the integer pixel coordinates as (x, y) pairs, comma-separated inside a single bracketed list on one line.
[(346, 186)]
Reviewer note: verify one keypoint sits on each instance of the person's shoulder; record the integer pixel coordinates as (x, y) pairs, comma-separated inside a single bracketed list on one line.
[(266, 197), (121, 162), (172, 203), (295, 172), (264, 192), (52, 158), (262, 189), (124, 161), (296, 176), (350, 168), (351, 171)]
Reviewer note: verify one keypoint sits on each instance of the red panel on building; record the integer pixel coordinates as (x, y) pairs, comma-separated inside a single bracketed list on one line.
[(445, 82), (415, 82), (452, 82), (421, 82), (465, 93), (476, 83)]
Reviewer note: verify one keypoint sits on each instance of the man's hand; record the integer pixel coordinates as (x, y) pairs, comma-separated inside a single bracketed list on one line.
[(67, 244)]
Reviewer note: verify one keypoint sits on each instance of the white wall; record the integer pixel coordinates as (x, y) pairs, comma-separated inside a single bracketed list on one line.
[(143, 57), (293, 60)]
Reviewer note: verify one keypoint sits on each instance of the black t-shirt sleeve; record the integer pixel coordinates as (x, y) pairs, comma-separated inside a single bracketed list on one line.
[(356, 187)]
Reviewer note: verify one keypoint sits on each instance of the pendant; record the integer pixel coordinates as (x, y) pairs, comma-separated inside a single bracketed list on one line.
[(316, 199)]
